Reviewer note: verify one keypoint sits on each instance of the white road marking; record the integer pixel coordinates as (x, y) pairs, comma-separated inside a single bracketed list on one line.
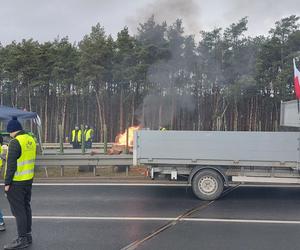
[(242, 221), (270, 185), (153, 184), (98, 218), (162, 219), (115, 184)]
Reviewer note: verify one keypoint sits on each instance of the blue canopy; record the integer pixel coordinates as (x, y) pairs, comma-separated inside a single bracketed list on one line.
[(7, 113)]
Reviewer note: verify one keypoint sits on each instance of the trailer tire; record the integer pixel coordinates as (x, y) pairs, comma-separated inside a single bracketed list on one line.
[(207, 184)]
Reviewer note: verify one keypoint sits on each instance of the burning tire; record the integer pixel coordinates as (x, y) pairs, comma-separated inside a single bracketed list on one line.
[(207, 185)]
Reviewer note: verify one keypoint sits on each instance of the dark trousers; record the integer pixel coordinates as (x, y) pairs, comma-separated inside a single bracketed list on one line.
[(76, 145), (19, 197), (88, 144)]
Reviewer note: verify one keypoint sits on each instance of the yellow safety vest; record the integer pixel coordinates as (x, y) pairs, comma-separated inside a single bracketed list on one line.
[(78, 135), (88, 134), (1, 163), (25, 163)]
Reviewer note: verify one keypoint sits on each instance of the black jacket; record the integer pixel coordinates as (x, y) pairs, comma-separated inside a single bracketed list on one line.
[(14, 152)]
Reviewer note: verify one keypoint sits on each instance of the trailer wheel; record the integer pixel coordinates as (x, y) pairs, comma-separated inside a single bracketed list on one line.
[(207, 185)]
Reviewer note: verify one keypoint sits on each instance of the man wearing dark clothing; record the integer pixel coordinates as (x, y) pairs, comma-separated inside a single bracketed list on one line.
[(19, 173)]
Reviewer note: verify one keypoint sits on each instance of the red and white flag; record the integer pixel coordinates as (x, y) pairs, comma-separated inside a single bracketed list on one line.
[(296, 80)]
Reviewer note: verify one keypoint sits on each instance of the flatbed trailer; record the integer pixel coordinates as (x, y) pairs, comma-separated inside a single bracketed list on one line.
[(212, 160)]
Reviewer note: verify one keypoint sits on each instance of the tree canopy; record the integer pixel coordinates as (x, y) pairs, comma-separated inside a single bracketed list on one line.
[(158, 77)]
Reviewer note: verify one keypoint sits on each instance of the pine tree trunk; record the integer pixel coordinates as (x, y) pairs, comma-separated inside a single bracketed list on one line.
[(199, 126), (1, 93), (173, 110), (235, 121), (251, 115), (110, 129), (46, 119), (16, 97), (132, 110), (121, 111), (160, 114), (255, 113), (63, 120), (100, 114), (103, 118), (30, 107), (143, 115), (77, 110), (56, 114)]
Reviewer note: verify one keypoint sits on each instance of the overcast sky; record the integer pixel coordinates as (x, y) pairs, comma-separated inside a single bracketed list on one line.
[(44, 20)]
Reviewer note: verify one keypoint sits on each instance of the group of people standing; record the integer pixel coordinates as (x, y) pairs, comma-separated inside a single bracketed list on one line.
[(18, 178), (77, 137)]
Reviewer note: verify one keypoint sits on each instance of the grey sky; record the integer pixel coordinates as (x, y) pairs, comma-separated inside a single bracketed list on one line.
[(44, 20)]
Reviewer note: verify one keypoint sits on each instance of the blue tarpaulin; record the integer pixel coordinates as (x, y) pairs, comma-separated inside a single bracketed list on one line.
[(7, 113)]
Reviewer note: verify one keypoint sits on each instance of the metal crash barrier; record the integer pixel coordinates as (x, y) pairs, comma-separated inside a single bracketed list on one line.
[(48, 161)]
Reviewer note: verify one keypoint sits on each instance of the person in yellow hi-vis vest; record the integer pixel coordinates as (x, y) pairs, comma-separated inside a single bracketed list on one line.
[(2, 225), (18, 178), (88, 136), (76, 137)]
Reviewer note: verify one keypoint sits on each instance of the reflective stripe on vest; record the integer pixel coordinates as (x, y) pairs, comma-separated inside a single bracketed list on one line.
[(31, 171), (25, 163), (19, 164)]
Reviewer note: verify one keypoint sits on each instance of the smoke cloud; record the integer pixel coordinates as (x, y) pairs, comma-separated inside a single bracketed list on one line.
[(172, 101), (169, 11)]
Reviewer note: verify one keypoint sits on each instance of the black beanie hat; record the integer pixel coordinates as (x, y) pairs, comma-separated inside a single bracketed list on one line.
[(13, 125)]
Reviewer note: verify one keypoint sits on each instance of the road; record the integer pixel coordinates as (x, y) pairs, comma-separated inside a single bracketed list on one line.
[(104, 216)]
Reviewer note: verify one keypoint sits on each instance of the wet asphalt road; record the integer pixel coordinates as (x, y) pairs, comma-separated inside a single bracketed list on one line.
[(113, 217)]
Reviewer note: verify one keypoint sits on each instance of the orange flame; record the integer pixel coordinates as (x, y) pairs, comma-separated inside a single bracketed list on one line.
[(121, 138)]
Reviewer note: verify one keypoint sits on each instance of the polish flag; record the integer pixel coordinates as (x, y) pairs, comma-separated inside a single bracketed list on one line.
[(296, 80)]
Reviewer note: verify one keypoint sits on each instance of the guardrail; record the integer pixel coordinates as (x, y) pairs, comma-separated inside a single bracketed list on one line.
[(48, 161), (54, 145), (70, 151), (83, 160)]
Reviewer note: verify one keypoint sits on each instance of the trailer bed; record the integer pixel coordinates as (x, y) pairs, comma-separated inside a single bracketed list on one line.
[(216, 148)]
